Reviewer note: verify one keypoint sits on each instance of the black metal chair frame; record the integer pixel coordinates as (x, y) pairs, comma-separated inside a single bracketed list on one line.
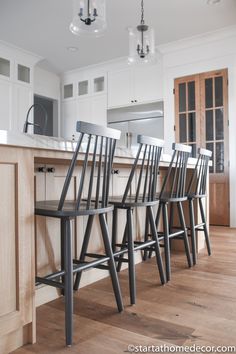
[(146, 165), (173, 192), (197, 191), (101, 158)]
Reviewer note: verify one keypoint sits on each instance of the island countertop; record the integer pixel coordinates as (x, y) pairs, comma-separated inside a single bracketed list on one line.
[(39, 142)]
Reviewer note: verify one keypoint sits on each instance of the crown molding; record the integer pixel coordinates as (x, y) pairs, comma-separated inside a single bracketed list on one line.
[(198, 40)]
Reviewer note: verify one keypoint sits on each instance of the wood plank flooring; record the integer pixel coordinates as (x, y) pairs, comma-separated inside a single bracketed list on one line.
[(197, 307)]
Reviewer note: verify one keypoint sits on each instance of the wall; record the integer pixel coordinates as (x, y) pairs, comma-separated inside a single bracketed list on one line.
[(201, 54), (47, 84)]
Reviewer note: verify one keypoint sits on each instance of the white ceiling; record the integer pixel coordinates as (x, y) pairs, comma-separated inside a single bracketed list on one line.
[(41, 26)]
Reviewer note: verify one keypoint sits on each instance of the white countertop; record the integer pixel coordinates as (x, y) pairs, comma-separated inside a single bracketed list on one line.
[(34, 141)]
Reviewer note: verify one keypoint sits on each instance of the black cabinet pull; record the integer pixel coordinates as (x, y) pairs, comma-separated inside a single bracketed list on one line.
[(115, 172), (50, 169), (41, 169)]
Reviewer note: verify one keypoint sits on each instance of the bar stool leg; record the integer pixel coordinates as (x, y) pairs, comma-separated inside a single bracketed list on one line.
[(205, 227), (145, 252), (132, 285), (157, 223), (193, 231), (157, 248), (185, 234), (112, 266), (166, 240), (122, 248), (62, 254), (114, 229), (68, 280), (171, 221), (84, 248)]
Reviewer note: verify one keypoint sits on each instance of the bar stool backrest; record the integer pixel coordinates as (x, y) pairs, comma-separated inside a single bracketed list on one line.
[(175, 180), (100, 147), (198, 181), (146, 165)]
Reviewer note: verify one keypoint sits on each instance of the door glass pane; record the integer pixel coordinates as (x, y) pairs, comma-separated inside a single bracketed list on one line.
[(209, 93), (219, 124), (194, 150), (210, 146), (209, 126), (191, 96), (23, 73), (99, 84), (191, 127), (68, 91), (219, 91), (219, 157), (182, 97), (4, 67), (83, 88), (182, 128)]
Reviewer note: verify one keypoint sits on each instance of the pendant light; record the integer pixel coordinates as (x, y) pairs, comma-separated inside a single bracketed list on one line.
[(89, 17), (141, 42)]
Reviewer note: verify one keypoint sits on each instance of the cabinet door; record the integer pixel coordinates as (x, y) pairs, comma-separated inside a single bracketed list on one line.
[(16, 246), (119, 88), (69, 119), (5, 105), (83, 109), (99, 109), (147, 81), (22, 100)]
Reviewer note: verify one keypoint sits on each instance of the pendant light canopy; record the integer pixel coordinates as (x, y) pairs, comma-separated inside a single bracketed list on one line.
[(89, 17), (142, 42)]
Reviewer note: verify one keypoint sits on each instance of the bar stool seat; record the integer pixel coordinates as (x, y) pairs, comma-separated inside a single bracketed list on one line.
[(50, 208), (132, 202), (170, 197)]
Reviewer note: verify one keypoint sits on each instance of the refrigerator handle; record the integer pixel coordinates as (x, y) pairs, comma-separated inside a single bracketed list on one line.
[(128, 140)]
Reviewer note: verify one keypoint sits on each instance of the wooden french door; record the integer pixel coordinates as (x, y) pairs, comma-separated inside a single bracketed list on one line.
[(201, 119)]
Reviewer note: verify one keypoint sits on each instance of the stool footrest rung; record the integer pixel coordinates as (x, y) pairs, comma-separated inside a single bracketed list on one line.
[(120, 252), (83, 265), (55, 284), (117, 259), (143, 245)]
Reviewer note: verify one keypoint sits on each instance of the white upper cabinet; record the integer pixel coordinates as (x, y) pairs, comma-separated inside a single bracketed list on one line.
[(134, 85), (119, 88), (69, 119), (83, 84), (148, 83), (16, 88)]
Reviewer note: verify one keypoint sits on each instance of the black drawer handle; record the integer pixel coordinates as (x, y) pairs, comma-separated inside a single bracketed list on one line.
[(115, 172), (41, 169), (50, 169)]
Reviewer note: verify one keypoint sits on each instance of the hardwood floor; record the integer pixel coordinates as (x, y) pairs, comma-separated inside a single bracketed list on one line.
[(197, 307)]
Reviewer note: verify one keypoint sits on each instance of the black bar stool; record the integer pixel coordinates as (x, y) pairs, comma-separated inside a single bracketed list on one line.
[(146, 165), (99, 155), (173, 193), (197, 191)]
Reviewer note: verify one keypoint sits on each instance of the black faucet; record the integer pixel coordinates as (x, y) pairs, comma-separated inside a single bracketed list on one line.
[(27, 123)]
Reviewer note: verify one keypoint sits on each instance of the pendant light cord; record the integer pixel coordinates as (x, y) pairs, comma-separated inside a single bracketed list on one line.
[(142, 12)]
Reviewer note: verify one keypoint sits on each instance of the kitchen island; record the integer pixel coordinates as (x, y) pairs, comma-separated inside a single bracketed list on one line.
[(34, 168)]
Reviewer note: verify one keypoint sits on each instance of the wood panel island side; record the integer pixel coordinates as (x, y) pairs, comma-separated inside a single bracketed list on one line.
[(34, 168)]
